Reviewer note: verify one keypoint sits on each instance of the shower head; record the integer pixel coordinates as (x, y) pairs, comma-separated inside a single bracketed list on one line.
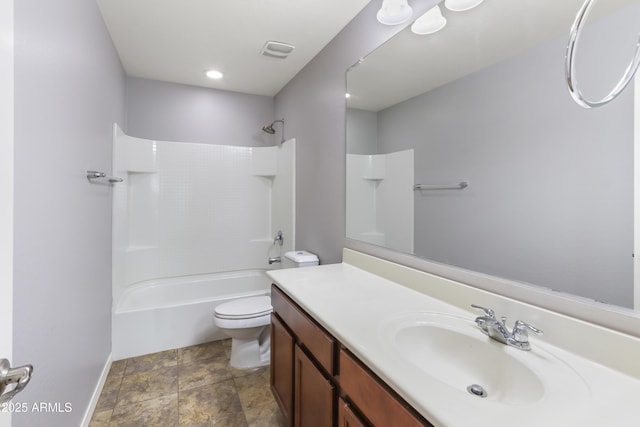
[(270, 130)]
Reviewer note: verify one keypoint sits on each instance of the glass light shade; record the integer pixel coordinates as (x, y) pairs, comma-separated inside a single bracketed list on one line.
[(394, 12), (430, 22), (461, 5)]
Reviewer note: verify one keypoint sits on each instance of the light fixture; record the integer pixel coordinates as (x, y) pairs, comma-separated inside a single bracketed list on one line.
[(461, 5), (430, 22), (214, 74), (394, 12), (347, 95)]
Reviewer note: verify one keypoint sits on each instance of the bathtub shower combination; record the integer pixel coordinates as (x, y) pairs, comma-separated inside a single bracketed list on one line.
[(193, 227)]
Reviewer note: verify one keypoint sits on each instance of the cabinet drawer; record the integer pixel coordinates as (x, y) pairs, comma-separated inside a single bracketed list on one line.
[(372, 398), (317, 341)]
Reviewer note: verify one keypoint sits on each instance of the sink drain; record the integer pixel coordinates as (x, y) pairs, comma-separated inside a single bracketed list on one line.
[(477, 390)]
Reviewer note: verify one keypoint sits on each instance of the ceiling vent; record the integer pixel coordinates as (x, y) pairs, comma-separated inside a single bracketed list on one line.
[(277, 49)]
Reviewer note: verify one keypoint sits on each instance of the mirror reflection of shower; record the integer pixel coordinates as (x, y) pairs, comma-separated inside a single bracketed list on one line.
[(271, 131)]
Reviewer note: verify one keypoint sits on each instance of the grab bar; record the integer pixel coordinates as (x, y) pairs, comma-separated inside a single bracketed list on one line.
[(570, 69), (459, 186), (99, 175)]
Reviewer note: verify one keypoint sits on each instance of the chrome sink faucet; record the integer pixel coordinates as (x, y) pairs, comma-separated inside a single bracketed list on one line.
[(497, 329)]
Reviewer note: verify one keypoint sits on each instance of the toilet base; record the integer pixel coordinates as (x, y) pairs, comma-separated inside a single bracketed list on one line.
[(251, 353)]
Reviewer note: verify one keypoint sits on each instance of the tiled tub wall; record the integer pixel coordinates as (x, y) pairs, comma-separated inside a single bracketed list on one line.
[(186, 209)]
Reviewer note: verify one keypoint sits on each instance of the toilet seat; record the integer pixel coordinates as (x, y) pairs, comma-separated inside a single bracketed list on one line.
[(244, 308)]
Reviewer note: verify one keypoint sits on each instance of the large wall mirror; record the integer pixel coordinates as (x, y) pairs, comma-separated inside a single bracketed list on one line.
[(464, 147)]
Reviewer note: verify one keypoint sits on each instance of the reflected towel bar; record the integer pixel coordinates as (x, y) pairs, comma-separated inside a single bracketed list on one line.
[(459, 186), (99, 175)]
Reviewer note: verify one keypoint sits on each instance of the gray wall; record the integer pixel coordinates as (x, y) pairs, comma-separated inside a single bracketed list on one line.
[(362, 131), (69, 89), (313, 104), (175, 112), (550, 200)]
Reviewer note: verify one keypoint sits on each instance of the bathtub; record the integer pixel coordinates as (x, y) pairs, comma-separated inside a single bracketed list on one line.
[(163, 314)]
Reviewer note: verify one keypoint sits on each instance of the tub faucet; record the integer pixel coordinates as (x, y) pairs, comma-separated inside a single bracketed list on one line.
[(274, 260), (497, 329)]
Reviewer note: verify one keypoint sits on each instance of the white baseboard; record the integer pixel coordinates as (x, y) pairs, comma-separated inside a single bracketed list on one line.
[(96, 393)]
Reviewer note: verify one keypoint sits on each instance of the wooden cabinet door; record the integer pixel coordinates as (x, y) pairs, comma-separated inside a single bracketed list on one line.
[(282, 353), (346, 416), (314, 394)]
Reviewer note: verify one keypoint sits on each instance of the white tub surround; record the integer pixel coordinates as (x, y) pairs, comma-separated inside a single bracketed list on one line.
[(193, 226), (380, 199), (598, 368), (184, 209), (163, 314)]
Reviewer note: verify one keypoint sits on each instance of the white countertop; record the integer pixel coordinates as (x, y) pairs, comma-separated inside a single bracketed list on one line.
[(354, 306)]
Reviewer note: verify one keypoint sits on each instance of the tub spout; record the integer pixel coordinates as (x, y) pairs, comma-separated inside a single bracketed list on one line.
[(274, 260)]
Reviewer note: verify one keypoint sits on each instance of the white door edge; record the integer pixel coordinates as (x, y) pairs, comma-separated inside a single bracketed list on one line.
[(636, 193), (6, 186)]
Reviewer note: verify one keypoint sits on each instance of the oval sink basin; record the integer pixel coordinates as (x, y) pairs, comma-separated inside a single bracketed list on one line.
[(453, 351)]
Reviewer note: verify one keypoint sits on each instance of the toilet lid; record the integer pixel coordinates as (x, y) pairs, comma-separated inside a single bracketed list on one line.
[(244, 308)]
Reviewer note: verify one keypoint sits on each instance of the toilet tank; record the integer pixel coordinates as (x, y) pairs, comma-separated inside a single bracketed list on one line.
[(296, 259)]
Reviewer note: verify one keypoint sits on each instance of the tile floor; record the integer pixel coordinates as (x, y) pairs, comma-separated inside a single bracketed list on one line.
[(191, 386)]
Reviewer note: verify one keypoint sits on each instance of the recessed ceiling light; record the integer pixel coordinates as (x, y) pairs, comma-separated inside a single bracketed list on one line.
[(347, 95), (214, 74)]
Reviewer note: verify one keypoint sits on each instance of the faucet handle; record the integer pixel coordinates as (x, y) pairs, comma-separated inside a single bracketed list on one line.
[(279, 239), (487, 311), (520, 331)]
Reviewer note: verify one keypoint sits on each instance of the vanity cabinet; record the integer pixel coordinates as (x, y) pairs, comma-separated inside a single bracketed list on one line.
[(302, 365), (317, 382)]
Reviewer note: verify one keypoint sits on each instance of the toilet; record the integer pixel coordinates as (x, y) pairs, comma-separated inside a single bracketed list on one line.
[(246, 320)]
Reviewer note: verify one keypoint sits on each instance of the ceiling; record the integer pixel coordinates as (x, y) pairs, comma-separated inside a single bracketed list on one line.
[(410, 64), (178, 40)]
